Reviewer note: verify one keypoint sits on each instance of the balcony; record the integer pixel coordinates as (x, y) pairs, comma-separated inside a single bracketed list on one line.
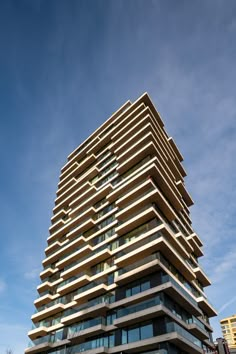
[(197, 330), (86, 262), (37, 332), (82, 329), (93, 289), (146, 310), (206, 306), (48, 312), (85, 310), (73, 283), (196, 244), (201, 276), (147, 244), (76, 254), (90, 200)]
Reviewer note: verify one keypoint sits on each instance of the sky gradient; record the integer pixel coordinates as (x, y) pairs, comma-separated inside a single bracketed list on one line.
[(65, 67)]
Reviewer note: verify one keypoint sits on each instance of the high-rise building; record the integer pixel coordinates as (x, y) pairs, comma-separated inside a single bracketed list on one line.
[(121, 272), (228, 327)]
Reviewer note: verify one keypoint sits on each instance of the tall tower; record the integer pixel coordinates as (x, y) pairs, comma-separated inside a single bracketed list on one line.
[(121, 271)]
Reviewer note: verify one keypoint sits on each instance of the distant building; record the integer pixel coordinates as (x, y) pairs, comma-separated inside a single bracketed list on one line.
[(228, 327), (222, 346), (121, 271)]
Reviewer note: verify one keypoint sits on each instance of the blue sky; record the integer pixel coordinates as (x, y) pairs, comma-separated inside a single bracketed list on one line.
[(65, 67)]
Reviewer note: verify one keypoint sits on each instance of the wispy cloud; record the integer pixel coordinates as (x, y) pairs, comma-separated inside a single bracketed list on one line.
[(3, 286), (227, 304), (225, 266), (32, 274)]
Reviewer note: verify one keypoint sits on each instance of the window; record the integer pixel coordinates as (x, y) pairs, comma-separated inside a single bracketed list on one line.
[(134, 334), (138, 288)]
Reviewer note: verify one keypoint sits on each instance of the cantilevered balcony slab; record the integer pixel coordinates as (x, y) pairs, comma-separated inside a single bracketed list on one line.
[(132, 272), (90, 293), (76, 196), (144, 315), (37, 332), (45, 299), (124, 129), (47, 312), (183, 240), (88, 262), (206, 306), (198, 331), (63, 250), (83, 251), (48, 285), (96, 195), (196, 247), (79, 336), (186, 196), (142, 247), (47, 272), (200, 274), (152, 344), (75, 169), (87, 312), (136, 220), (36, 349), (75, 284)]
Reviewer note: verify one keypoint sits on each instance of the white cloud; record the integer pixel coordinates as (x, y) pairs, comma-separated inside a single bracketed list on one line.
[(224, 266), (3, 286), (32, 274), (225, 305)]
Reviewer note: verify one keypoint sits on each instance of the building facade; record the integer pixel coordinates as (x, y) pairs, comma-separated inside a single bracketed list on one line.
[(222, 346), (228, 327), (121, 271)]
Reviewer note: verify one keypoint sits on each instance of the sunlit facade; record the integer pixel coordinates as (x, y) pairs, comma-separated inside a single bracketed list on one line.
[(121, 271), (228, 327)]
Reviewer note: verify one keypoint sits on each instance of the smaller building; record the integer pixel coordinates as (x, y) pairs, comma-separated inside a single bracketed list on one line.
[(228, 327), (222, 346)]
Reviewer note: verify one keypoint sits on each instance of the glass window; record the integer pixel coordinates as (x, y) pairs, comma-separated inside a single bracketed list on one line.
[(136, 289), (128, 292), (145, 286), (124, 336), (133, 335), (146, 331)]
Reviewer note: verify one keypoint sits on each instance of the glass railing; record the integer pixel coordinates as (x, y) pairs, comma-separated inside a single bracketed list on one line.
[(197, 322), (179, 287), (104, 211), (139, 307), (103, 172), (174, 327), (90, 286), (106, 179), (138, 197), (165, 278), (61, 300), (106, 161), (41, 340), (140, 243), (106, 299), (69, 280), (72, 330), (87, 257), (132, 171), (139, 211), (177, 274), (135, 265)]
